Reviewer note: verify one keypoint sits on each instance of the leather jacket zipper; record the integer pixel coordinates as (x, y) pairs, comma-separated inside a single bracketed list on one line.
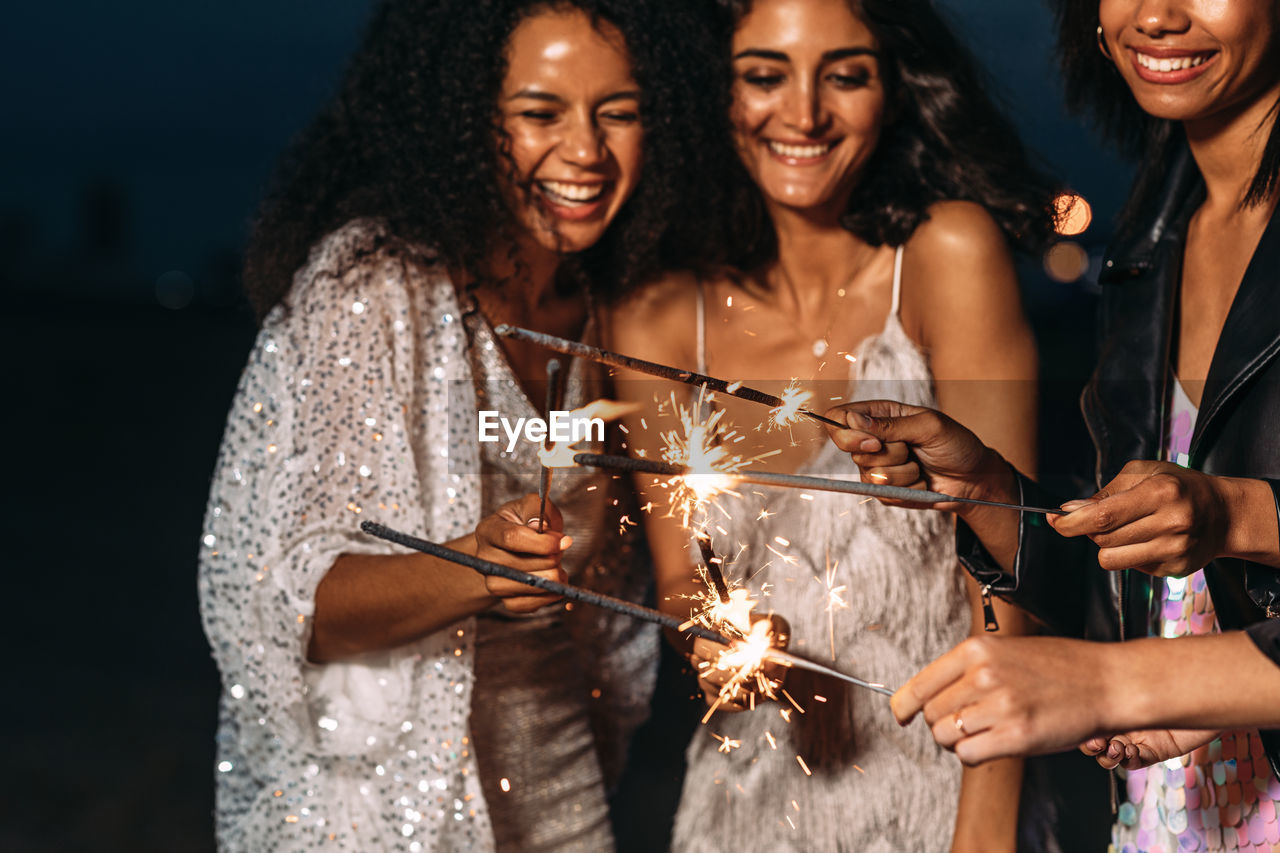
[(988, 610)]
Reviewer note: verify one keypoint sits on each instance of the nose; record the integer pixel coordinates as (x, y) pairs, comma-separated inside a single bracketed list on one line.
[(583, 142), (1156, 18), (802, 110)]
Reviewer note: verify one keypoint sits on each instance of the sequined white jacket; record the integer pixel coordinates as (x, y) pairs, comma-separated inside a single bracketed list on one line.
[(342, 414)]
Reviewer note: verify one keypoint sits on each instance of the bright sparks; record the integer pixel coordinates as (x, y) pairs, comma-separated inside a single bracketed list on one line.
[(793, 400), (698, 446), (835, 600), (744, 660), (727, 744)]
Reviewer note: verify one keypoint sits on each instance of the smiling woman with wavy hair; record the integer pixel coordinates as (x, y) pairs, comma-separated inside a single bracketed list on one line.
[(878, 196)]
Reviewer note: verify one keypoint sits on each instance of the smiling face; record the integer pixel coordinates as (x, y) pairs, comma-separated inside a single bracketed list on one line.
[(571, 116), (1188, 60), (808, 101)]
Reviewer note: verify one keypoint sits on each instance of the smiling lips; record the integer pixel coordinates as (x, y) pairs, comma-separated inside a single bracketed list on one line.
[(572, 200), (796, 154), (1169, 66)]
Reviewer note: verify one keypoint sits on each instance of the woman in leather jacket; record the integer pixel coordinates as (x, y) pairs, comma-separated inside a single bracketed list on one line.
[(1190, 329)]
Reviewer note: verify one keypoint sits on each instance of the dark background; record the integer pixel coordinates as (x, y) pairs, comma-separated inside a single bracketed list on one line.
[(135, 144)]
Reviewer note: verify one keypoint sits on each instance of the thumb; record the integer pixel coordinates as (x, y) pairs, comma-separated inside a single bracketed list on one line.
[(919, 428)]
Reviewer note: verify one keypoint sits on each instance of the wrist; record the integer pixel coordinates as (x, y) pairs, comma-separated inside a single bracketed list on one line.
[(1131, 678), (993, 480), (1251, 522)]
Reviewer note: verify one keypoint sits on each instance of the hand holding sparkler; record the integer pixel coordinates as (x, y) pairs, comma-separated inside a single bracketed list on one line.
[(513, 536), (734, 677), (901, 445)]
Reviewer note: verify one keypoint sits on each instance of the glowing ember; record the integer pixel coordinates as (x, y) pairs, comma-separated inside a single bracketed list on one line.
[(793, 400), (735, 612), (745, 661), (727, 744), (696, 446)]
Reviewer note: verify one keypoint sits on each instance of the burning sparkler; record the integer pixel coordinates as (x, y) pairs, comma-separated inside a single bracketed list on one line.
[(705, 461), (800, 481), (756, 645), (688, 377)]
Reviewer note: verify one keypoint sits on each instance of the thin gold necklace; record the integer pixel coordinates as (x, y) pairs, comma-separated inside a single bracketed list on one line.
[(822, 344)]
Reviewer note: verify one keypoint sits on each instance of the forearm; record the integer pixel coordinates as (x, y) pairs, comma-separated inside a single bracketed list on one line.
[(368, 602), (995, 527), (1225, 682), (987, 817)]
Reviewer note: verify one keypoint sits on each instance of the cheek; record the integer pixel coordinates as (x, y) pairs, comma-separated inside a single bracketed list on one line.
[(1113, 13), (628, 151), (749, 110), (525, 149), (864, 112)]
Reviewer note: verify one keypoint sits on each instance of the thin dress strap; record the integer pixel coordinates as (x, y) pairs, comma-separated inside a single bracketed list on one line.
[(701, 333), (897, 283)]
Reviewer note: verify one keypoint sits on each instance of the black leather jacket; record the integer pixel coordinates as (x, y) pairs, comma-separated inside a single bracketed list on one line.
[(1237, 433)]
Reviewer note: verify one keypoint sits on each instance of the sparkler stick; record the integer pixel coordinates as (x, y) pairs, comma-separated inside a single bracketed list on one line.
[(596, 599), (553, 400), (573, 593), (796, 481), (788, 659), (688, 377), (712, 562)]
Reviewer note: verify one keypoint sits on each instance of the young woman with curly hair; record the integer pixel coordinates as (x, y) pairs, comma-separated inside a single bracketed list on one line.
[(486, 161), (877, 201)]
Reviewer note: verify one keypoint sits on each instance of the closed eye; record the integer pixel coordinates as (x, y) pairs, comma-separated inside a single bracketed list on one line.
[(622, 116), (850, 81), (764, 81)]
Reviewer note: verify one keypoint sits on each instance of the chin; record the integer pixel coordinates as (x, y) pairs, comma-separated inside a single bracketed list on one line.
[(799, 198), (569, 241)]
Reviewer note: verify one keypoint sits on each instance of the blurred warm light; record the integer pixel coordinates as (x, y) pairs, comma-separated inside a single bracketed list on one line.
[(1073, 214), (1066, 261)]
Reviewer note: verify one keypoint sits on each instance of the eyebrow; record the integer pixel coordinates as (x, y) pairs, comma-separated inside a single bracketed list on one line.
[(552, 98), (829, 56)]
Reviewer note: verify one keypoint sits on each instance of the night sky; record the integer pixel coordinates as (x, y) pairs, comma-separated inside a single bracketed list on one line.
[(136, 141)]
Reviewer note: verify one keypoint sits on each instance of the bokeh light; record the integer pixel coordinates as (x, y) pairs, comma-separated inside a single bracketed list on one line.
[(1073, 214), (1066, 261)]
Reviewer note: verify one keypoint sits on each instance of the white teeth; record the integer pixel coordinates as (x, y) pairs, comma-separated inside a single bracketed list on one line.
[(800, 152), (579, 193), (1175, 64)]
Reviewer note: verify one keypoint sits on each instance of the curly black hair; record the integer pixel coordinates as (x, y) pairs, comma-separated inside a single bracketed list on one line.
[(419, 103), (945, 140), (1094, 88)]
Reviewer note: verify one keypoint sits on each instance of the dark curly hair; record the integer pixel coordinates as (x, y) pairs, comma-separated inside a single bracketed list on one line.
[(420, 101), (945, 140), (1094, 88)]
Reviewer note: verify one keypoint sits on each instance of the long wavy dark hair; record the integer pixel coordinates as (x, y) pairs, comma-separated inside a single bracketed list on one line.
[(1095, 89), (945, 140), (412, 139)]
